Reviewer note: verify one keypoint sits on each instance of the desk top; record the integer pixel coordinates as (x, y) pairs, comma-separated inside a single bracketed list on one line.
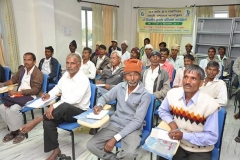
[(9, 87)]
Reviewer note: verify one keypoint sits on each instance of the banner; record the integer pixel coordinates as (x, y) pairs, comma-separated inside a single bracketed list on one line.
[(165, 20)]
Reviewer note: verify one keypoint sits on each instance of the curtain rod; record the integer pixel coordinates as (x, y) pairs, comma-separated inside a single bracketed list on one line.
[(98, 3), (192, 6)]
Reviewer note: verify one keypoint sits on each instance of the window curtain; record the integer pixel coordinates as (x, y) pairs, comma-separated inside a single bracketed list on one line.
[(237, 10), (107, 25), (171, 39), (140, 38), (8, 27), (115, 23), (231, 11), (156, 38), (2, 60), (205, 12), (97, 22)]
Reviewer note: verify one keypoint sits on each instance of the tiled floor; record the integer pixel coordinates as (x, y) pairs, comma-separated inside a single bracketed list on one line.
[(32, 148)]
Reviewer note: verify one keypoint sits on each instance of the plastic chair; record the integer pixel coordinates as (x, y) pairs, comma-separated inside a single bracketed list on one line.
[(228, 80), (149, 122), (173, 77), (52, 85), (26, 109), (7, 72), (68, 126), (221, 123)]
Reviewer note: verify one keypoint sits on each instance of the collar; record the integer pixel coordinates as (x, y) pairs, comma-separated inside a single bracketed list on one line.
[(193, 99), (31, 70), (48, 60), (86, 63), (74, 78), (138, 89), (224, 57), (101, 58)]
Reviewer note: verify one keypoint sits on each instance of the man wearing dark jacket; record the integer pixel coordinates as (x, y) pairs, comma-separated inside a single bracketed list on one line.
[(113, 47), (49, 65), (2, 74)]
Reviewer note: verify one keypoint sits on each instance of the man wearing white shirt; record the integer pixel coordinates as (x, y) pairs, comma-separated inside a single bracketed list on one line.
[(125, 53), (75, 88), (211, 57), (88, 66), (176, 60), (214, 87)]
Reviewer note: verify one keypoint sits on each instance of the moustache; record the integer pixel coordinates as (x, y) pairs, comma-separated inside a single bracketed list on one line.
[(187, 85)]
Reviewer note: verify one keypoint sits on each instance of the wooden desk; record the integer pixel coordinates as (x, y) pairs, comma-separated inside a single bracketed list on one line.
[(9, 87)]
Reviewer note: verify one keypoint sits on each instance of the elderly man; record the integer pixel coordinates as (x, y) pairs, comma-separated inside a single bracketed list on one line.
[(211, 57), (188, 60), (75, 89), (188, 48), (165, 64), (127, 121), (100, 60), (113, 47), (155, 79), (49, 65), (88, 66), (192, 116), (29, 79), (214, 87), (175, 59), (112, 74), (125, 53), (146, 56)]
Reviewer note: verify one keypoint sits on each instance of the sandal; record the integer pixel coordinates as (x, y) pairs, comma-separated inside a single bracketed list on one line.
[(236, 116), (10, 136), (19, 138), (237, 139), (63, 157)]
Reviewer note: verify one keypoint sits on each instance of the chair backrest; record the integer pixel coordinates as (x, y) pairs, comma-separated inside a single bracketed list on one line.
[(221, 76), (58, 73), (221, 123), (7, 73), (93, 95), (231, 69), (149, 115), (173, 77), (45, 83)]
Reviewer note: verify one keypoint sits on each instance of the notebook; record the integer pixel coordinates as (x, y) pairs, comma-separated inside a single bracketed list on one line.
[(102, 114)]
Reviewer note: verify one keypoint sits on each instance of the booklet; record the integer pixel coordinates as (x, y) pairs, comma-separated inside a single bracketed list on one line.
[(159, 143), (38, 102), (102, 114)]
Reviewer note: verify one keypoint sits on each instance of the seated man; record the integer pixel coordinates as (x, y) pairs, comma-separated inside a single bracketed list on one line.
[(29, 79), (236, 70), (146, 56), (142, 50), (225, 61), (73, 48), (88, 66), (175, 59), (162, 45), (112, 74), (155, 79), (113, 47), (211, 57), (98, 43), (2, 74), (188, 48), (188, 60), (49, 64), (216, 88), (127, 122), (101, 60), (192, 116), (135, 53), (165, 64), (75, 88), (125, 53)]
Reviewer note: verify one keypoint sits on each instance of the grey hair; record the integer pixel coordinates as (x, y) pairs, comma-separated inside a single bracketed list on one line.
[(75, 56), (213, 64), (118, 53), (196, 68)]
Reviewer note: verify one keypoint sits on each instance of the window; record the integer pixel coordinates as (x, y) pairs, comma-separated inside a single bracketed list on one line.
[(220, 14), (87, 36)]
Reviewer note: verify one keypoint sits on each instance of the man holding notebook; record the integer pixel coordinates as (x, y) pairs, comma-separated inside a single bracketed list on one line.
[(75, 99), (127, 122), (192, 116)]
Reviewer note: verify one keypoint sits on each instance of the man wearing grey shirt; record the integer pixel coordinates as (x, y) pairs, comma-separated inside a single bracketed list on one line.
[(127, 122)]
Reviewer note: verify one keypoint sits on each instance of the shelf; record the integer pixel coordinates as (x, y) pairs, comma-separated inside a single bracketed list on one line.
[(236, 45), (201, 55), (212, 32), (208, 44), (236, 32)]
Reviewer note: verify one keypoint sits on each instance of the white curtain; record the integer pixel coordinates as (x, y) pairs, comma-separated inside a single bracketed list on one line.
[(9, 30), (97, 24), (115, 23)]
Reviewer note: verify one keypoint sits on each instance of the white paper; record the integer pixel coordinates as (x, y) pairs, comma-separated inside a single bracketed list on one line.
[(225, 74), (100, 85), (39, 102), (3, 88), (102, 114), (161, 134)]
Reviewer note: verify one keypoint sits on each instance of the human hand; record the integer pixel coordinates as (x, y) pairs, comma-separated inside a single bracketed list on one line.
[(110, 144), (175, 134), (173, 125), (2, 85), (12, 92), (45, 96), (107, 86), (97, 109), (49, 112)]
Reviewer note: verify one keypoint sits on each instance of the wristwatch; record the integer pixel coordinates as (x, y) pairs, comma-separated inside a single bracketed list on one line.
[(99, 105)]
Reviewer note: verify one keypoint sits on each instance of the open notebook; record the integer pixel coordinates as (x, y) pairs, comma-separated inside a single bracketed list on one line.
[(102, 114)]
